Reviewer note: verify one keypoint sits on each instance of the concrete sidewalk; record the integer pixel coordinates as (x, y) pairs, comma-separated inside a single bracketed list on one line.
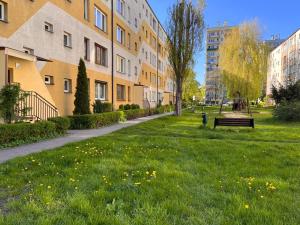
[(73, 136)]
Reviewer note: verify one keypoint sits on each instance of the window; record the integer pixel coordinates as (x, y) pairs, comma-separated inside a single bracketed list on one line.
[(129, 94), (121, 92), (67, 40), (121, 7), (135, 71), (120, 35), (129, 68), (100, 90), (100, 55), (48, 27), (129, 41), (120, 64), (129, 15), (67, 85), (86, 4), (29, 51), (87, 49), (48, 80), (136, 46), (136, 22), (3, 10), (100, 19)]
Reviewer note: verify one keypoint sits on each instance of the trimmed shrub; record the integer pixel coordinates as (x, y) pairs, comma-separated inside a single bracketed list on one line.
[(121, 107), (135, 113), (102, 107), (91, 121), (288, 111), (129, 107), (62, 124), (19, 133)]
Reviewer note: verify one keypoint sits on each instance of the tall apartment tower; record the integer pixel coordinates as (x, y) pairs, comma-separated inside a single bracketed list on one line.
[(122, 43), (284, 63), (215, 90)]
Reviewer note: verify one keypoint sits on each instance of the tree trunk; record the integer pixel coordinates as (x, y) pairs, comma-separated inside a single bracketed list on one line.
[(221, 108), (178, 106)]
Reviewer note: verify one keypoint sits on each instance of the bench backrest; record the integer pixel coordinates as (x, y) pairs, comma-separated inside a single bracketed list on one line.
[(240, 122)]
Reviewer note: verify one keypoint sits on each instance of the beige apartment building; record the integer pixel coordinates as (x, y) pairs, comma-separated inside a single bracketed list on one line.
[(215, 90), (284, 63), (122, 42)]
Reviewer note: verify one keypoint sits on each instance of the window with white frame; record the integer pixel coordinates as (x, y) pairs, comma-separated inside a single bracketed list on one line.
[(67, 85), (121, 7), (100, 19), (67, 39), (3, 10), (86, 4), (48, 80), (48, 27), (120, 64), (120, 35), (100, 90)]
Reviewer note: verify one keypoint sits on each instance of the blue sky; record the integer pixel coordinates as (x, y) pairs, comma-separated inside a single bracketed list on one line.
[(275, 17)]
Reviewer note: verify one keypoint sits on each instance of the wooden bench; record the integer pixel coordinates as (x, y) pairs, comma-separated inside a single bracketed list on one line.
[(234, 122)]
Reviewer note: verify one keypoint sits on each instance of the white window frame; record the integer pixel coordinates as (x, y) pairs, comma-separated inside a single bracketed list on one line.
[(69, 86), (121, 64), (120, 35), (48, 79), (100, 90), (121, 7), (68, 41), (49, 25), (102, 23), (2, 11), (86, 4)]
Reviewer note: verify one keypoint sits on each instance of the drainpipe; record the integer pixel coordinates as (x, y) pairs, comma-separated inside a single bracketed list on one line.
[(112, 57)]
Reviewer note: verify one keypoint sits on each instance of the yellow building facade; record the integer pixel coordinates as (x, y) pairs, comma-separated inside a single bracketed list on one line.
[(121, 41)]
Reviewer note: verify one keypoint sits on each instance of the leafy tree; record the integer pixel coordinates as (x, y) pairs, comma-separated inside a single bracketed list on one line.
[(82, 99), (12, 103), (185, 32), (243, 61), (191, 88)]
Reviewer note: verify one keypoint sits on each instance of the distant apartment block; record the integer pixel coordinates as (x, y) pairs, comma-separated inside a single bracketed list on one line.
[(122, 42), (284, 63), (215, 90)]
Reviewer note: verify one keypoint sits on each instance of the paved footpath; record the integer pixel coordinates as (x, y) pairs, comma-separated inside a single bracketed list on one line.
[(72, 136)]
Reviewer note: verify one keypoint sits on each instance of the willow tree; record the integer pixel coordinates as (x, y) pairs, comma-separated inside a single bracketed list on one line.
[(243, 61), (185, 32)]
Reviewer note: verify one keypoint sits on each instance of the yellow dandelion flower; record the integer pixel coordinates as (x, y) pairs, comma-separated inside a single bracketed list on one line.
[(246, 206)]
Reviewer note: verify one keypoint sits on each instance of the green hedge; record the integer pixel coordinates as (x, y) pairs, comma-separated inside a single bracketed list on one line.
[(20, 133), (62, 124), (92, 121), (135, 113)]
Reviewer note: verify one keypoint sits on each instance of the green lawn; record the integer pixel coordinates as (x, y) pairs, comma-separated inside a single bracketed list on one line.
[(164, 172)]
